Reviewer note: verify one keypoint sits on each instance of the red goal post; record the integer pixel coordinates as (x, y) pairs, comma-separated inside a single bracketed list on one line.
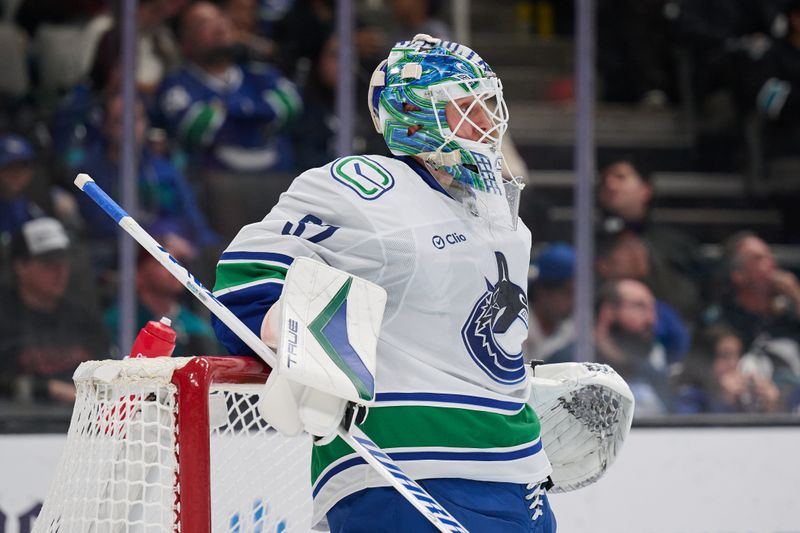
[(176, 444)]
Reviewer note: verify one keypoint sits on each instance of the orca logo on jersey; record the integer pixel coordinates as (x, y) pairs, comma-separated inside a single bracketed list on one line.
[(496, 327)]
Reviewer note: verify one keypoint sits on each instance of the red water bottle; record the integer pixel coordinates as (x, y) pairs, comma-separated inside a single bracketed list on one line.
[(155, 339)]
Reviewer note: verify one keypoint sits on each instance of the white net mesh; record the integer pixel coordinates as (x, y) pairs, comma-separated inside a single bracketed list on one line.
[(252, 492), (122, 463)]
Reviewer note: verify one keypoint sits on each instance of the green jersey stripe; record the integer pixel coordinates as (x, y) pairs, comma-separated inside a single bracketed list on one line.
[(293, 105), (423, 426), (279, 106), (199, 125), (234, 274)]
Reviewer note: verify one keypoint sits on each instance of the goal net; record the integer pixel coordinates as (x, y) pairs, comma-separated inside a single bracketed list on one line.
[(176, 444)]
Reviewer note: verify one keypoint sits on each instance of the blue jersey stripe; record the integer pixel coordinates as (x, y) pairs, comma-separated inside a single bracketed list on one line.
[(249, 305), (433, 456), (241, 301), (448, 398), (258, 256), (355, 461), (467, 456)]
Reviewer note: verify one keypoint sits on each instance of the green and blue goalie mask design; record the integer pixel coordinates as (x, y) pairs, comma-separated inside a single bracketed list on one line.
[(439, 100)]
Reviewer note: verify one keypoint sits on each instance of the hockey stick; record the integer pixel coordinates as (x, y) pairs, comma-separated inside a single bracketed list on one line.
[(350, 433)]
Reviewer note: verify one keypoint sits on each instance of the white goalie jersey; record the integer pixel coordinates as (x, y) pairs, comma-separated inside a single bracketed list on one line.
[(451, 384)]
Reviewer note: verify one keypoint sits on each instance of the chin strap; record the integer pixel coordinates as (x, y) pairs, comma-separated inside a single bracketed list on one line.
[(440, 159)]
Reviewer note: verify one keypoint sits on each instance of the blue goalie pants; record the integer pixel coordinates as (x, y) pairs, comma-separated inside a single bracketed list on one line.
[(480, 506)]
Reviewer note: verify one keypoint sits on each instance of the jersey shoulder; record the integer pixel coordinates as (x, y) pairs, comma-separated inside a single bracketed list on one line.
[(343, 191), (360, 177)]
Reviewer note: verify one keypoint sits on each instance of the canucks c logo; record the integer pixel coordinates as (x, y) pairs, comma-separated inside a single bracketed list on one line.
[(495, 329)]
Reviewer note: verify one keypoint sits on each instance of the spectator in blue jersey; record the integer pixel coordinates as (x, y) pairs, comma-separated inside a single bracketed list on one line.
[(77, 123), (16, 207), (228, 116), (165, 198), (77, 120)]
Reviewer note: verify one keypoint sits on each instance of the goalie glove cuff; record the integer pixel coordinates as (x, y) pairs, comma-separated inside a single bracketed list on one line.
[(292, 408)]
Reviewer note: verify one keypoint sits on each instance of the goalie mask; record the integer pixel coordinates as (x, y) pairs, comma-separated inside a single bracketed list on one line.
[(440, 101)]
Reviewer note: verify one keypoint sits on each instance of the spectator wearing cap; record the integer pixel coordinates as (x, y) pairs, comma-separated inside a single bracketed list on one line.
[(16, 208), (16, 173), (550, 297), (625, 196), (43, 334)]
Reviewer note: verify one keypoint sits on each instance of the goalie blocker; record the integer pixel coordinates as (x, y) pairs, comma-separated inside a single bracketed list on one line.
[(325, 327)]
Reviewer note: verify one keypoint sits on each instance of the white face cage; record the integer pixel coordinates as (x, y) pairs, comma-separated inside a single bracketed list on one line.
[(479, 108), (477, 120)]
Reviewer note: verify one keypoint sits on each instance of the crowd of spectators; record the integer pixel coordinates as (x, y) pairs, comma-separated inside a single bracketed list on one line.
[(689, 335), (228, 93), (727, 328), (233, 91)]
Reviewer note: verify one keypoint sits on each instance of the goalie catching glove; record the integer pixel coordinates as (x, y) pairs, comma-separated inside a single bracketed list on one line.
[(586, 411), (325, 327)]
